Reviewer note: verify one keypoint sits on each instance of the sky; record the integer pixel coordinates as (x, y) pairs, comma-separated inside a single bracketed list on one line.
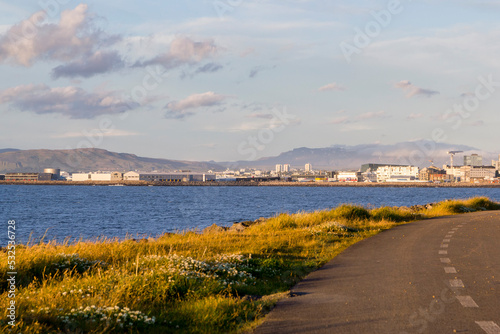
[(229, 80)]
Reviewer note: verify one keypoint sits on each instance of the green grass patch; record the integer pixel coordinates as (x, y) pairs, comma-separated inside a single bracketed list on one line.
[(221, 282)]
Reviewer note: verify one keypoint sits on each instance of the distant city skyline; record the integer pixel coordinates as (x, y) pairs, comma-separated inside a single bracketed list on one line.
[(241, 80)]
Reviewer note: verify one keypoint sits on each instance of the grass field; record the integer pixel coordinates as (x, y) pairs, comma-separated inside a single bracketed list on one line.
[(219, 282)]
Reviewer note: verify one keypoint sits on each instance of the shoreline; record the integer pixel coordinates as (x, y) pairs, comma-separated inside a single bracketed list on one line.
[(254, 184), (196, 282)]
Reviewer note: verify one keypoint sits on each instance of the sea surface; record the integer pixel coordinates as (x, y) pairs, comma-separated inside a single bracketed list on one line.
[(89, 212)]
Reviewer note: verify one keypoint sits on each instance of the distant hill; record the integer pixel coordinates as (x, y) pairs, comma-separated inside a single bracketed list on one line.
[(91, 159), (352, 157), (8, 150), (330, 158)]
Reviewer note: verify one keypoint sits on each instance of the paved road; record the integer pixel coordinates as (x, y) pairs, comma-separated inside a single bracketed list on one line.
[(434, 276)]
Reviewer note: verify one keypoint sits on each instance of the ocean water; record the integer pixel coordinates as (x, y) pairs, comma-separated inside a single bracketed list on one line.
[(88, 212)]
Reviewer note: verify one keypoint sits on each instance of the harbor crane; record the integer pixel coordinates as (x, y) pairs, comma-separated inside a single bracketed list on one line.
[(452, 154)]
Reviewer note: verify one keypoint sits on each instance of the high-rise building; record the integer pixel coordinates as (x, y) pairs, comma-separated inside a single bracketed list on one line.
[(278, 169), (286, 168), (309, 168), (473, 160), (496, 163)]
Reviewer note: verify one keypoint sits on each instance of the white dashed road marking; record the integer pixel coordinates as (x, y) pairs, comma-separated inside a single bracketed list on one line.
[(489, 327), (450, 270), (467, 301), (448, 236), (446, 240), (444, 246), (451, 232), (445, 260), (457, 283), (442, 252)]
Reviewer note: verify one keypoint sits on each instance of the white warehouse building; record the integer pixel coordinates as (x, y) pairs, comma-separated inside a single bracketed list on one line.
[(386, 173), (168, 177), (111, 176)]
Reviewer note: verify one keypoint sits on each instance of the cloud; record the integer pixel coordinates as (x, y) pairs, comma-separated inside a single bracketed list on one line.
[(99, 62), (340, 120), (33, 39), (362, 117), (331, 87), (260, 124), (183, 50), (70, 101), (257, 69), (372, 114), (478, 123), (209, 68), (412, 90), (415, 116), (107, 133), (183, 108), (261, 115)]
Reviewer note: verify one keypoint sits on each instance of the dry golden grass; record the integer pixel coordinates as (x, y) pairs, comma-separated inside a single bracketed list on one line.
[(189, 282)]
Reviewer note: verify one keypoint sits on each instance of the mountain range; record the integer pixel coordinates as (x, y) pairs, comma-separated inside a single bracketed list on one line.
[(418, 153), (91, 159)]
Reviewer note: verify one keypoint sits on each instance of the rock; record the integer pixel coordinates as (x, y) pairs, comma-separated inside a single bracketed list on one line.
[(238, 227), (251, 298), (248, 223), (214, 228), (260, 220), (406, 209), (340, 227)]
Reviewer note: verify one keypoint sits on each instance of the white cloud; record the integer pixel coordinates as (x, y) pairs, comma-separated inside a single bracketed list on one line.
[(183, 50), (373, 114), (34, 39), (331, 87), (107, 133), (70, 101), (412, 90), (340, 120), (415, 116), (181, 109)]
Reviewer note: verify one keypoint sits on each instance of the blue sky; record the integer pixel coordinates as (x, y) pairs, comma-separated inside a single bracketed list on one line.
[(242, 79)]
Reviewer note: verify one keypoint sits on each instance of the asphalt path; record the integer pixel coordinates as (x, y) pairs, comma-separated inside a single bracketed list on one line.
[(438, 275)]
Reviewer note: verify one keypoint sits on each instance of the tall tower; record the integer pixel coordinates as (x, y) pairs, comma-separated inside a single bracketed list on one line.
[(308, 168)]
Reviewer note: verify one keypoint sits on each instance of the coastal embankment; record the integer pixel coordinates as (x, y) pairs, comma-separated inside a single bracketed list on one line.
[(258, 184)]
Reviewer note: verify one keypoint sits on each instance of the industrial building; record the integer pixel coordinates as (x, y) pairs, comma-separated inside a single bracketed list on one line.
[(385, 173), (55, 172), (28, 177), (49, 174), (99, 176), (373, 167), (168, 177), (349, 176)]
